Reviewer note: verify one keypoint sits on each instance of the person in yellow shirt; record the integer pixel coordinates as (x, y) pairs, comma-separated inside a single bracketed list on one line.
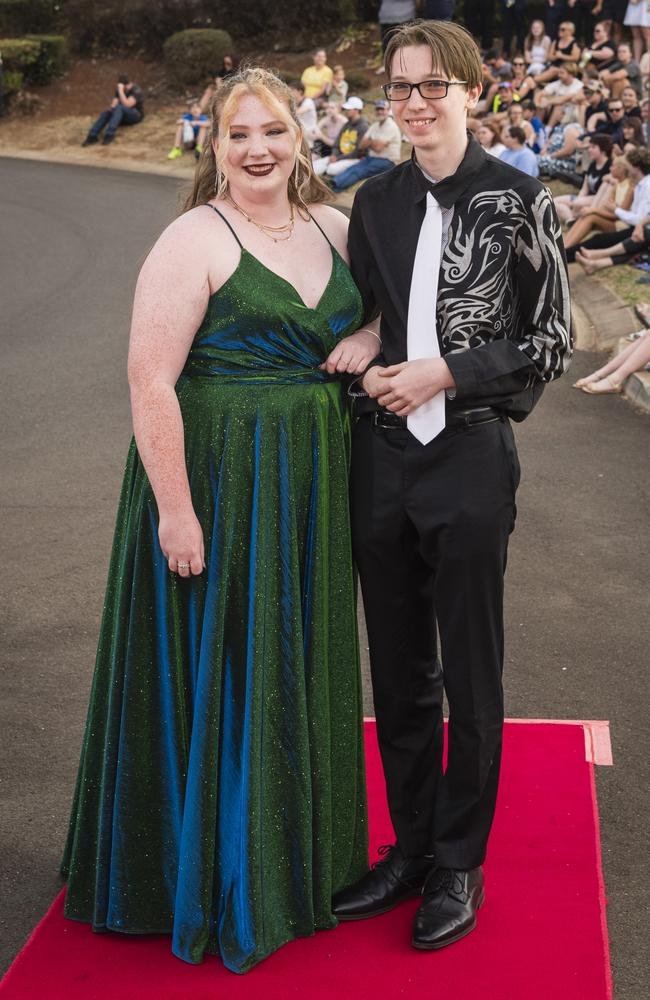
[(317, 78)]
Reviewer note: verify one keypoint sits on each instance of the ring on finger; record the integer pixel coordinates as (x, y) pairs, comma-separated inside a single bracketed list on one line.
[(183, 565)]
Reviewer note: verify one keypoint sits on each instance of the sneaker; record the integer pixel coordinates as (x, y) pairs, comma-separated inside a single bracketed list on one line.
[(174, 153), (107, 140), (197, 152), (90, 140)]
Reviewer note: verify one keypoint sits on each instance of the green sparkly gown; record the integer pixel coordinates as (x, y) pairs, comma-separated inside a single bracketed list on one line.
[(221, 795)]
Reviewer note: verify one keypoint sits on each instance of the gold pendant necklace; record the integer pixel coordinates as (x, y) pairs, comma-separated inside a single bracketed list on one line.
[(268, 230)]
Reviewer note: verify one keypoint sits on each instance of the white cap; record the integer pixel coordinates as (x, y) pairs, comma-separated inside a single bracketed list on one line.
[(353, 103)]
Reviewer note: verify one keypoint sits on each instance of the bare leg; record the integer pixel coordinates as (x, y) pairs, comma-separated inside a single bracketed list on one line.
[(637, 43), (564, 207), (583, 226), (555, 116), (618, 250), (547, 75), (646, 39), (612, 375), (591, 266)]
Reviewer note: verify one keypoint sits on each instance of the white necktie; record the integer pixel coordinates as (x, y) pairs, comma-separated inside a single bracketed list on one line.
[(427, 420)]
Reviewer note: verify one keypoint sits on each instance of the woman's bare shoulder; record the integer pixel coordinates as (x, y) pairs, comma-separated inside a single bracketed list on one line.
[(335, 225)]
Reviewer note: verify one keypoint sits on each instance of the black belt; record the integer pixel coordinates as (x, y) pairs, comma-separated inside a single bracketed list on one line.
[(455, 419)]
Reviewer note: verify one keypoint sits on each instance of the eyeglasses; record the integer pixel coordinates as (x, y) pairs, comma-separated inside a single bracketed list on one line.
[(614, 109), (430, 90)]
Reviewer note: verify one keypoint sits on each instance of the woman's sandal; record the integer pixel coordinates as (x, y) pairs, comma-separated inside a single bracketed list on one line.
[(606, 384), (588, 379)]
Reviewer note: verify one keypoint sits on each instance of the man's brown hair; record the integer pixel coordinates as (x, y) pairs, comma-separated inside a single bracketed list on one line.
[(453, 50)]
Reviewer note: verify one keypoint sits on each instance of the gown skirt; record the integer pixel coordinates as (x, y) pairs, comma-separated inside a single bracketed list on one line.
[(221, 795)]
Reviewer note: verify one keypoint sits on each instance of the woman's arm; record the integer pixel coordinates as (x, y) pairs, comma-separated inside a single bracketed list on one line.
[(170, 301), (353, 354)]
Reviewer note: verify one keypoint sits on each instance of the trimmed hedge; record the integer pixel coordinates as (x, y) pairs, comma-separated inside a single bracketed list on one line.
[(34, 59), (19, 17), (18, 55), (192, 55), (52, 60)]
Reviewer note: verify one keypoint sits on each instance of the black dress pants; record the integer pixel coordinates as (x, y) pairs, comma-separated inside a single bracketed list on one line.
[(430, 535)]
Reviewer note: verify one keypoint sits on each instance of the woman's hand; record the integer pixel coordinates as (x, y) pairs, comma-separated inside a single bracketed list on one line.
[(181, 540), (353, 354)]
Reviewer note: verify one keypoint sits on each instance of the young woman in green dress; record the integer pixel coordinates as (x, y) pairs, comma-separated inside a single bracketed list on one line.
[(220, 795)]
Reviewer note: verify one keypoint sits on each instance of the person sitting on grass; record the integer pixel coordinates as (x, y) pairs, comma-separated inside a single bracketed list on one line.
[(560, 94), (191, 130), (631, 103), (517, 153), (305, 110), (339, 88), (612, 376), (616, 191), (229, 66), (347, 150), (488, 134), (327, 129), (318, 77), (126, 108), (561, 155), (625, 72), (618, 246), (599, 149), (383, 146)]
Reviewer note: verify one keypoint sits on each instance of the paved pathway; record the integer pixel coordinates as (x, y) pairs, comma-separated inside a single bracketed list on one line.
[(72, 240)]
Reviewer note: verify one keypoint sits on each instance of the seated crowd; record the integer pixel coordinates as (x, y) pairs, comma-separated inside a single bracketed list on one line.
[(558, 109)]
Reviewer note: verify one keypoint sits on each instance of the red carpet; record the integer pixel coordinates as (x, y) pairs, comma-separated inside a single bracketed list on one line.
[(541, 934)]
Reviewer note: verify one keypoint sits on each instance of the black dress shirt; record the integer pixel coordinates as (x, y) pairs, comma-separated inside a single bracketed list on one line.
[(503, 313)]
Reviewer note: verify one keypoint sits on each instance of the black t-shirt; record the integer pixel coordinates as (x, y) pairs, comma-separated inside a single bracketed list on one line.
[(602, 63), (594, 175), (134, 91), (565, 50)]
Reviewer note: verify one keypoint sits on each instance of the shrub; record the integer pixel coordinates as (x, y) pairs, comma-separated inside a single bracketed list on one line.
[(192, 55), (18, 17), (34, 59), (52, 59)]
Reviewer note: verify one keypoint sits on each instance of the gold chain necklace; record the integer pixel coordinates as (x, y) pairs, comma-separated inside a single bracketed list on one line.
[(268, 230)]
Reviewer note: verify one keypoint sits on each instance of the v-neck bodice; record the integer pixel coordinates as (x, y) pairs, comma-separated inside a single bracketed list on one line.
[(258, 328)]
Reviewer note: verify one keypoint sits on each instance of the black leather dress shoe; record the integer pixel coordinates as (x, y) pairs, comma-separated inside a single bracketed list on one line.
[(388, 883), (448, 912)]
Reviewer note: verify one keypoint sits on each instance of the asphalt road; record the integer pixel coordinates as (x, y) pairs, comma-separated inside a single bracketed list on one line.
[(71, 243)]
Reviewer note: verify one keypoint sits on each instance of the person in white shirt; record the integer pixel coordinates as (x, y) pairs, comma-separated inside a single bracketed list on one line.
[(607, 249), (306, 111), (383, 146), (559, 94)]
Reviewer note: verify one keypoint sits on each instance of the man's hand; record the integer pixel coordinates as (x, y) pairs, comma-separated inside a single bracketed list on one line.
[(402, 388)]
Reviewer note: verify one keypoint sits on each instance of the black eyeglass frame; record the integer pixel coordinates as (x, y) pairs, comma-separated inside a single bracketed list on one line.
[(416, 86)]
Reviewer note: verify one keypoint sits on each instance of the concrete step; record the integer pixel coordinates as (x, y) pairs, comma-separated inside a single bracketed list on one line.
[(637, 386)]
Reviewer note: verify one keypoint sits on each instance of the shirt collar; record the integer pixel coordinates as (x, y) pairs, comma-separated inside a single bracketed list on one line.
[(448, 191)]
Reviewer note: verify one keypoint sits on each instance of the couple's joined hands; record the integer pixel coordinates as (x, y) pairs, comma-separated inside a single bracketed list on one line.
[(400, 388), (403, 388)]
